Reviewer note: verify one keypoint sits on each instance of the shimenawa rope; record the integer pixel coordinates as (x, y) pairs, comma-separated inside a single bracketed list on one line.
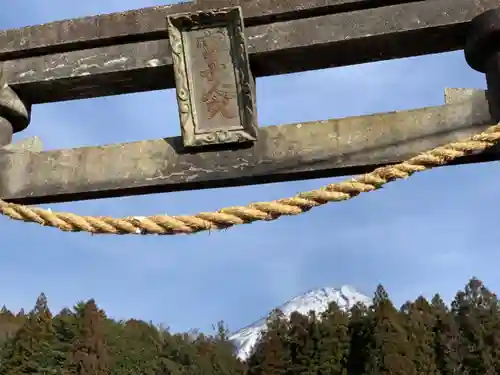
[(231, 216)]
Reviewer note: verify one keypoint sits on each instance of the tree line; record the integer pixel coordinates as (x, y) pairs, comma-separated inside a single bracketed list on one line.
[(421, 337)]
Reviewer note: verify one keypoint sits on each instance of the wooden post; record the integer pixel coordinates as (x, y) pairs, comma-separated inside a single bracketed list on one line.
[(482, 52), (14, 112)]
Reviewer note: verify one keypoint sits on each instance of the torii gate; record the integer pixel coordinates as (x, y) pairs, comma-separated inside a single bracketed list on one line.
[(210, 51)]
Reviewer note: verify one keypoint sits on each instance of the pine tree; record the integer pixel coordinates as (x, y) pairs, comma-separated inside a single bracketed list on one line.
[(173, 358), (223, 360), (204, 349), (470, 312), (66, 330), (9, 324), (446, 338), (361, 339), (298, 350), (89, 352), (420, 328), (492, 329), (33, 348), (271, 354), (335, 341), (390, 353), (142, 343), (313, 344)]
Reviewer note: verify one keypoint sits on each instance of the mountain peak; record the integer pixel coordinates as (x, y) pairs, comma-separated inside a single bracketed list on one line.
[(316, 299)]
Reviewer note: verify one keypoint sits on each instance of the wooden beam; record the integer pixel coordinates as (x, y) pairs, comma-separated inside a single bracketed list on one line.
[(149, 23), (282, 153), (282, 47)]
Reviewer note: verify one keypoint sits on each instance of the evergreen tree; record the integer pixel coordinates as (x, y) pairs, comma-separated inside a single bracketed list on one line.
[(89, 352), (361, 339), (298, 350), (335, 341), (142, 344), (173, 358), (420, 338), (271, 354), (33, 349), (390, 352), (446, 338), (187, 353), (491, 321), (66, 330), (223, 361), (420, 328), (313, 343), (9, 324), (470, 311)]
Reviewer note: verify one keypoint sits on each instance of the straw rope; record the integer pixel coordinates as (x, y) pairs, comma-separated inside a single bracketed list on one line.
[(260, 211)]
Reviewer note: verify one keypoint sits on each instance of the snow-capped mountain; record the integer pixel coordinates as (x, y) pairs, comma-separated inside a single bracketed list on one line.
[(316, 299)]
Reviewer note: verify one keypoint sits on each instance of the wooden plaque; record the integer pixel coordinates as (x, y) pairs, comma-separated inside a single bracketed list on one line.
[(214, 84)]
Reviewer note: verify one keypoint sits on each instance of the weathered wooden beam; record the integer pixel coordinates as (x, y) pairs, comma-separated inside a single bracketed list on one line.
[(149, 23), (281, 153), (281, 47)]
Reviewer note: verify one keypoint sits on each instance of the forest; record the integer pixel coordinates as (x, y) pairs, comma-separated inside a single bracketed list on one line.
[(421, 337)]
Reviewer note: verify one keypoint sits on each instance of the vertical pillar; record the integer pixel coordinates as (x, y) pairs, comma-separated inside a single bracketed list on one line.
[(15, 115), (6, 131), (482, 53)]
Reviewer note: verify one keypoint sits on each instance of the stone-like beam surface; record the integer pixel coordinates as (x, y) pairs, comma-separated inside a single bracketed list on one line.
[(281, 153), (315, 42), (149, 23)]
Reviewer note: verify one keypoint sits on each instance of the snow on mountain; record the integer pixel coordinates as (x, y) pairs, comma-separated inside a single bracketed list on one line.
[(316, 299)]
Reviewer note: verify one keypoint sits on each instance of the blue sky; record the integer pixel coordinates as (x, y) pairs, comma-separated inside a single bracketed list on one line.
[(427, 234)]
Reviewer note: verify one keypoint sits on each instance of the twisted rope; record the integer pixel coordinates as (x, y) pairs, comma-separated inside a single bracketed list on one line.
[(260, 211)]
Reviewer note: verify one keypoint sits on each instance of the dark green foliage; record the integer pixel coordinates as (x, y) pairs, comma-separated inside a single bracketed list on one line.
[(390, 351), (334, 342), (419, 324), (446, 338), (272, 356), (33, 348), (83, 341), (472, 309), (422, 337), (89, 352)]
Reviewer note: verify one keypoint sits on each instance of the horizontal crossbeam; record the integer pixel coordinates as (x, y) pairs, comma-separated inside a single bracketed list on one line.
[(149, 23), (58, 70), (282, 153)]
